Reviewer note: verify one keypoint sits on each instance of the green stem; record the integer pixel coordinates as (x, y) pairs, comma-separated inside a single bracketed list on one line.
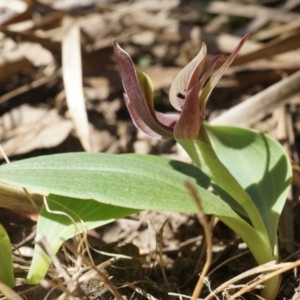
[(258, 245), (260, 249)]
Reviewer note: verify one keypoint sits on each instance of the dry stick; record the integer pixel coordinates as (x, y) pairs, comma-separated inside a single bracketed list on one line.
[(286, 228), (43, 243), (207, 233), (225, 262), (280, 45), (241, 10), (212, 224), (261, 104), (8, 292), (263, 279), (141, 292), (57, 212), (99, 272), (61, 213), (26, 192), (31, 86), (72, 287), (262, 268), (273, 32), (14, 198), (52, 46), (4, 155), (160, 245)]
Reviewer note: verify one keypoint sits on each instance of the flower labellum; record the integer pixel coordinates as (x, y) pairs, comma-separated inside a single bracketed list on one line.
[(188, 94)]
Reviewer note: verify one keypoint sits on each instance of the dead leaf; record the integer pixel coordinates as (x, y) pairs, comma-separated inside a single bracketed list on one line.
[(36, 54), (72, 75), (26, 128)]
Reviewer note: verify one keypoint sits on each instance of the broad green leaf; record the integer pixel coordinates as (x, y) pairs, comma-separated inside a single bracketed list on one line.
[(57, 227), (88, 214), (260, 165), (6, 262), (131, 181), (134, 181), (204, 156)]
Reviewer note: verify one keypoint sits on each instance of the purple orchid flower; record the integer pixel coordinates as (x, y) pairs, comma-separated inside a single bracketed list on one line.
[(189, 93)]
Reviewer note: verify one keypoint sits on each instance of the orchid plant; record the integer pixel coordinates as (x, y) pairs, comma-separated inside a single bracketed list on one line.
[(248, 170), (189, 94)]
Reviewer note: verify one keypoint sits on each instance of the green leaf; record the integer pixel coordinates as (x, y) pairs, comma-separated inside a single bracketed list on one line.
[(128, 180), (58, 227), (88, 214), (204, 156), (6, 262), (260, 165)]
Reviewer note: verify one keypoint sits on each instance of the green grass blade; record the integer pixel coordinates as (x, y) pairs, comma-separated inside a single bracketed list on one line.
[(6, 262)]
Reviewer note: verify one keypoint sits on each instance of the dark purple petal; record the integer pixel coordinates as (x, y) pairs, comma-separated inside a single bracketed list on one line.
[(190, 120), (216, 77), (210, 68), (140, 124), (140, 110), (202, 81)]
